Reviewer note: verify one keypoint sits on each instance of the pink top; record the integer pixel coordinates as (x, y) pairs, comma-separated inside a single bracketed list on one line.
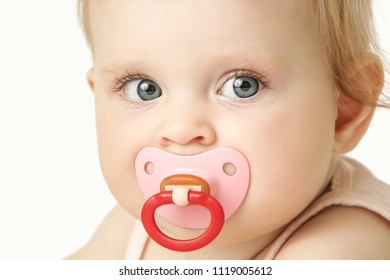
[(352, 185)]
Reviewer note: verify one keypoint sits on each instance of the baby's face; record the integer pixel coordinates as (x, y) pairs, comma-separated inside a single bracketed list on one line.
[(190, 76)]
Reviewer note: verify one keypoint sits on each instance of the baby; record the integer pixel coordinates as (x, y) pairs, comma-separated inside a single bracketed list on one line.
[(286, 87)]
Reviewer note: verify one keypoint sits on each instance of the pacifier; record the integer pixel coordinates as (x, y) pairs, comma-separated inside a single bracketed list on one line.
[(191, 191)]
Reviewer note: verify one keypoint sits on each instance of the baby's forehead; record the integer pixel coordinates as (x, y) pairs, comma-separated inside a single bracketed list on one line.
[(298, 7), (137, 25), (195, 10)]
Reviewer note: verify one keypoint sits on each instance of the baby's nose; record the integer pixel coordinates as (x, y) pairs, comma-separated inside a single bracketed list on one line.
[(186, 127)]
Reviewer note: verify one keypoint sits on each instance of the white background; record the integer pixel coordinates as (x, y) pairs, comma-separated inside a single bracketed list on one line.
[(52, 194)]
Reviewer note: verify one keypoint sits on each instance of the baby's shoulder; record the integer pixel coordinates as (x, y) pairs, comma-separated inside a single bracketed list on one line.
[(340, 232), (110, 239)]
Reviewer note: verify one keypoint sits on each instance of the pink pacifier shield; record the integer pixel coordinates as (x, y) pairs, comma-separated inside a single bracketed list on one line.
[(226, 170)]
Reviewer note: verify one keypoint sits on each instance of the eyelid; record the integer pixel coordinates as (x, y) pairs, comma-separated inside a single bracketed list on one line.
[(118, 83), (121, 80), (247, 73), (244, 72)]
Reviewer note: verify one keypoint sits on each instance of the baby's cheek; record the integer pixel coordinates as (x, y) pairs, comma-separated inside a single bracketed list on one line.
[(123, 185), (117, 165), (281, 187)]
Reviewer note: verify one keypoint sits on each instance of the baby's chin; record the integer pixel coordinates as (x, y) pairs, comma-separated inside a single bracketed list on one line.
[(231, 234)]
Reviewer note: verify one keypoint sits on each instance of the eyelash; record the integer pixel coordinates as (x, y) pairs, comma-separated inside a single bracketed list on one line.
[(119, 83), (248, 73)]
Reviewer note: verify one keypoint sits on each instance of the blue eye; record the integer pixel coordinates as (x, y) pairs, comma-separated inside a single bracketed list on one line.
[(142, 90), (241, 87)]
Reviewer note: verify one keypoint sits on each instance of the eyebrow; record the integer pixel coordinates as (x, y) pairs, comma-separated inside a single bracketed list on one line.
[(249, 57), (117, 66)]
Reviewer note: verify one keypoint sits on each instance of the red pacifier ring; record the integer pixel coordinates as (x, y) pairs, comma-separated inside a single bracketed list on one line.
[(195, 197)]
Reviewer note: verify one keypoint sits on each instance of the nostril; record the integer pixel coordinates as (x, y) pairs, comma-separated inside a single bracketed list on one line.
[(200, 139), (166, 141), (186, 131), (149, 168), (229, 169)]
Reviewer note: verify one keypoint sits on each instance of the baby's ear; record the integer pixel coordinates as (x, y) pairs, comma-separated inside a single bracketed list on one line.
[(91, 78), (353, 117)]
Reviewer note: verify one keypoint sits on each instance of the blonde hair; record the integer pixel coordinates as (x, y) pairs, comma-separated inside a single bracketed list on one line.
[(346, 30), (83, 16)]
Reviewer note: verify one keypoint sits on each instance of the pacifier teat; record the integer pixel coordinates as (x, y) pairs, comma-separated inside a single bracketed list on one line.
[(196, 191), (181, 184)]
